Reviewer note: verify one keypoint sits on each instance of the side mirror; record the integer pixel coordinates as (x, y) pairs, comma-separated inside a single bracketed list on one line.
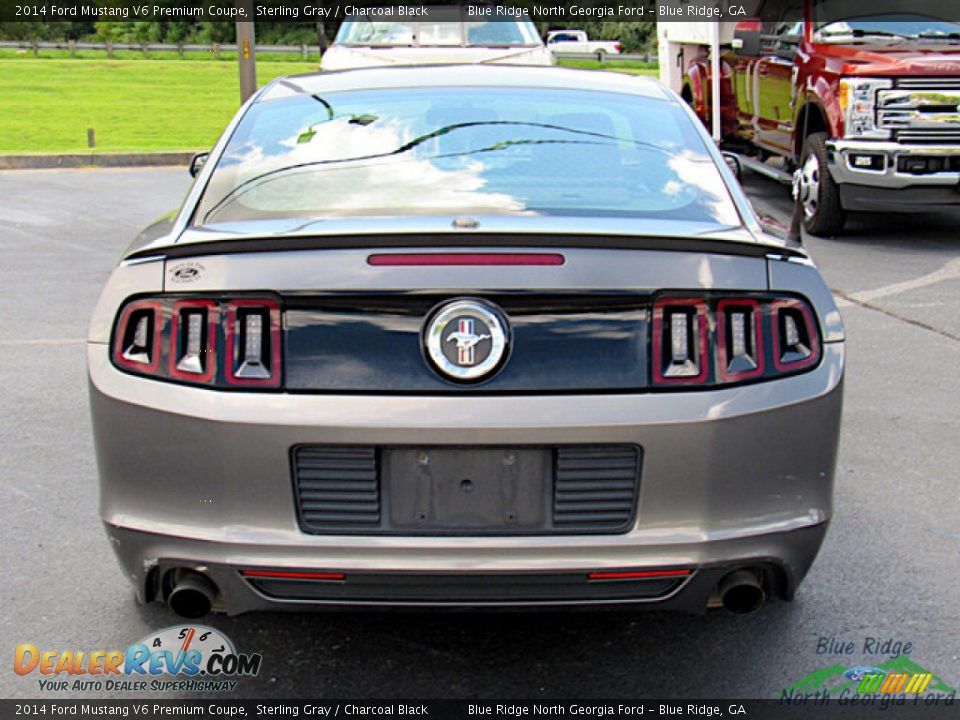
[(197, 162), (733, 162), (746, 38)]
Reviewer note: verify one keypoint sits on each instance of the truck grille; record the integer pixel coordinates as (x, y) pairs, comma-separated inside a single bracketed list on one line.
[(928, 83), (928, 136), (921, 110)]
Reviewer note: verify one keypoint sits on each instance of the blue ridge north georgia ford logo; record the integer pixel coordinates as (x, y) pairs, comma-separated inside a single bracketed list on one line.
[(466, 339)]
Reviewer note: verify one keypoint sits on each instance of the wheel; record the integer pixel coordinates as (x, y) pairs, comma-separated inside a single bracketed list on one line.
[(815, 189), (601, 55)]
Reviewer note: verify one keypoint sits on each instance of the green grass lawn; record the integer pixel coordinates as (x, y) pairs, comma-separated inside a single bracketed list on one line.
[(633, 67), (47, 104)]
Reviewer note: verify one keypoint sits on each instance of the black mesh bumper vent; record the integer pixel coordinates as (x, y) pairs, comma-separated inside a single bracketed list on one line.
[(337, 487), (595, 487)]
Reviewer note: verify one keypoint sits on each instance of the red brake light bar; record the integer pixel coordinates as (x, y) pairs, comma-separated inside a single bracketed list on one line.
[(466, 259), (285, 575), (638, 574)]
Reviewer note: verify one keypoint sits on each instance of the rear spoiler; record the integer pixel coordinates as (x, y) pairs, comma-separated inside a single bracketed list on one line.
[(711, 246)]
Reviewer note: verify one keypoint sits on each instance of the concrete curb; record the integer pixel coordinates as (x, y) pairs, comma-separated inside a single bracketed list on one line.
[(105, 160)]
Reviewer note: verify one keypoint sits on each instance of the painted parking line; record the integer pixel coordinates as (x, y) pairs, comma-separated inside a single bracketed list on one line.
[(949, 271)]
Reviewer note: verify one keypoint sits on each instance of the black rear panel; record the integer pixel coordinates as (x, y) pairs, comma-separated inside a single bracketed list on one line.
[(428, 490), (559, 343)]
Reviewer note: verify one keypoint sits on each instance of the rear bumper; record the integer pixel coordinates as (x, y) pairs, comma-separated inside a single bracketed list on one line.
[(202, 479), (783, 557), (925, 198), (891, 188)]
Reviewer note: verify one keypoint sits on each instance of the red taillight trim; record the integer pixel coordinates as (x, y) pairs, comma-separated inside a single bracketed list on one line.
[(211, 363), (284, 574), (465, 259), (701, 308), (722, 359), (638, 574), (811, 331), (157, 333), (274, 311)]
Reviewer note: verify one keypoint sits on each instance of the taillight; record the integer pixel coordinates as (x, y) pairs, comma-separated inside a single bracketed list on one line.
[(795, 341), (720, 339), (680, 341), (136, 344), (193, 340), (616, 47), (218, 342), (740, 353), (253, 343)]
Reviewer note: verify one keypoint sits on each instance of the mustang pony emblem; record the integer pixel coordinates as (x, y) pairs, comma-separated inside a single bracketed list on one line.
[(466, 341)]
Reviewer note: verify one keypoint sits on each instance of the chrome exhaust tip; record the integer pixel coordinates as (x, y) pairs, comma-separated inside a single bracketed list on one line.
[(192, 595), (742, 592)]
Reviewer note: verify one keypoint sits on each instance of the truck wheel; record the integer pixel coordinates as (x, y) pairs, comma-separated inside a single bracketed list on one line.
[(818, 193), (601, 55)]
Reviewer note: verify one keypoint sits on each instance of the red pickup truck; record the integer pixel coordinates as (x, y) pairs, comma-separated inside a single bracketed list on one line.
[(862, 97)]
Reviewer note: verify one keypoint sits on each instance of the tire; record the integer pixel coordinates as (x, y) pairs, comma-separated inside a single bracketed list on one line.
[(601, 55), (819, 194)]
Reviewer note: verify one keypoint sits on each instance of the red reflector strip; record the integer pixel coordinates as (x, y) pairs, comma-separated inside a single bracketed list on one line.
[(448, 259), (292, 575), (636, 575)]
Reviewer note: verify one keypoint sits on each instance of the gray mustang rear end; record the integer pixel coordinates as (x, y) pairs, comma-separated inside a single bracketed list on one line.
[(465, 336)]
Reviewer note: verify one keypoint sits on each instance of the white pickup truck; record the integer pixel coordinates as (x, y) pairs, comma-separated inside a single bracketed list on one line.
[(576, 41)]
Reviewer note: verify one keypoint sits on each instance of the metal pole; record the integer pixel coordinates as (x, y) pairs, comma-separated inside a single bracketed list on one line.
[(246, 55)]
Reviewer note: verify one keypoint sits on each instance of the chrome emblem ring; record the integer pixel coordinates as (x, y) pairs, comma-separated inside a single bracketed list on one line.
[(466, 340)]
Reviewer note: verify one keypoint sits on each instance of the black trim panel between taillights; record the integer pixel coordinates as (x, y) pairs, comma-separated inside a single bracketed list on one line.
[(673, 341)]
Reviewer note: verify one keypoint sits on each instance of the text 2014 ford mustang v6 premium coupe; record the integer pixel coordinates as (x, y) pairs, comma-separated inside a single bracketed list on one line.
[(465, 336)]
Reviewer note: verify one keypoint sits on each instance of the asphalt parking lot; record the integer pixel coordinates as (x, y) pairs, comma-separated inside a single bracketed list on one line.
[(889, 568)]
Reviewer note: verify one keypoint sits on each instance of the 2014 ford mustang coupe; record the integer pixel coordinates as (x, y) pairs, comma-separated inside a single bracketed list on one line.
[(465, 336)]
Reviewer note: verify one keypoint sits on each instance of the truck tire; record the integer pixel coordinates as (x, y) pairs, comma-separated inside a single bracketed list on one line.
[(818, 193)]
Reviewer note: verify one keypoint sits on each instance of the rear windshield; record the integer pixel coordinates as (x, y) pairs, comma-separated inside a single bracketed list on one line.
[(450, 151), (362, 31)]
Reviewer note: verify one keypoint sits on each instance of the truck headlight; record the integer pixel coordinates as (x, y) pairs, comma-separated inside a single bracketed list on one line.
[(858, 100)]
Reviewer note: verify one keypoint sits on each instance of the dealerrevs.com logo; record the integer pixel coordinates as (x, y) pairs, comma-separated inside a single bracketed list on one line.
[(179, 658)]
